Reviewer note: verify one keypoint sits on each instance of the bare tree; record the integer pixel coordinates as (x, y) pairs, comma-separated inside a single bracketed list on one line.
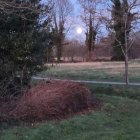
[(61, 10), (74, 51), (129, 21), (91, 18)]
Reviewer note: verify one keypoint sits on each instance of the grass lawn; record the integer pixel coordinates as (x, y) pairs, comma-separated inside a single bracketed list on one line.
[(119, 118), (100, 71)]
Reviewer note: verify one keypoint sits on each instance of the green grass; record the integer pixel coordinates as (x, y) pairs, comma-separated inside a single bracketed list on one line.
[(105, 71), (118, 119), (121, 91)]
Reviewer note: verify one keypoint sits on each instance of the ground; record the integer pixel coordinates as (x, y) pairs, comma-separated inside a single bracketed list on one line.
[(100, 71), (48, 101), (118, 119)]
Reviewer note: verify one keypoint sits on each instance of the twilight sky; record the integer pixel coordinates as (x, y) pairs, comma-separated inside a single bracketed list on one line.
[(77, 22), (74, 21)]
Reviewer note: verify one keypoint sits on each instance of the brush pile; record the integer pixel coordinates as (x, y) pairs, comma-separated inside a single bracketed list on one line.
[(53, 100)]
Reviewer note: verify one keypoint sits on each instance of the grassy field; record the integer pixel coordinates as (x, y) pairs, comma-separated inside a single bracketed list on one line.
[(100, 71), (119, 118)]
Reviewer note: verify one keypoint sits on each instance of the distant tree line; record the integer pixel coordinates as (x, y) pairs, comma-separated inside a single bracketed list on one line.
[(74, 51)]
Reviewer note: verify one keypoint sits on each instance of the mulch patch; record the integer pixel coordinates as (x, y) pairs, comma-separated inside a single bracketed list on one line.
[(50, 100)]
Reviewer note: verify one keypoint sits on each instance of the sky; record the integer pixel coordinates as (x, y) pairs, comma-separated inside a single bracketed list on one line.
[(77, 22), (74, 21)]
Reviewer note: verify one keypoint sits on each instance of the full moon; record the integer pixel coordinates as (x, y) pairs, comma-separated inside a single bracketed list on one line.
[(79, 30)]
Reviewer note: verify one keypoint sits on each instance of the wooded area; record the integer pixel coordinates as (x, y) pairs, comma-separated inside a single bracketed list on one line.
[(77, 60), (34, 32)]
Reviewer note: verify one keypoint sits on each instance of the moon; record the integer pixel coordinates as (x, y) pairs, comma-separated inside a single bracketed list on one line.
[(79, 30)]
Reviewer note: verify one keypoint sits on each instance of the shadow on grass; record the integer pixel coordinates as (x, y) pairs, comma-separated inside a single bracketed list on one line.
[(122, 91)]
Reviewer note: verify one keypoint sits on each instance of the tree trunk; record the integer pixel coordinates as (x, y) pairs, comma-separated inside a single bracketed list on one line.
[(126, 70), (89, 56), (59, 52)]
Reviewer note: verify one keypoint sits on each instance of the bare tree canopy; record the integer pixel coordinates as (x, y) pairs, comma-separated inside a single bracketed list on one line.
[(92, 19), (124, 23), (61, 10)]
